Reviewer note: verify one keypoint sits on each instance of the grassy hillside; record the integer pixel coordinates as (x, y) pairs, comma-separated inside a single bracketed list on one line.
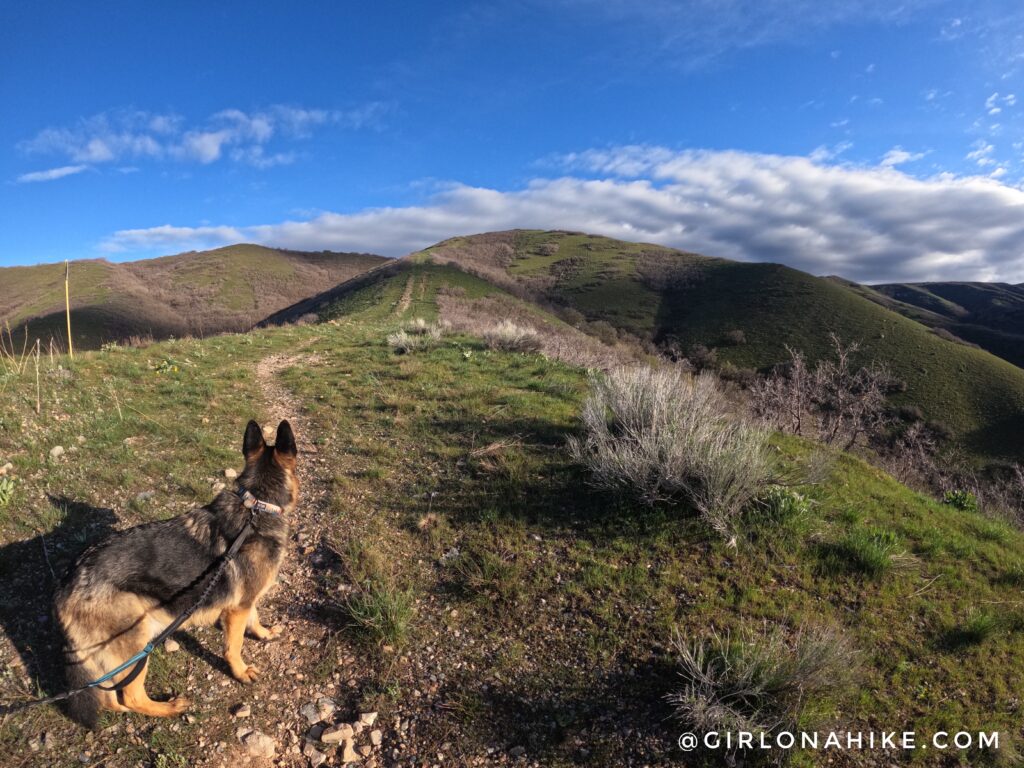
[(658, 294), (192, 293), (990, 315), (530, 615)]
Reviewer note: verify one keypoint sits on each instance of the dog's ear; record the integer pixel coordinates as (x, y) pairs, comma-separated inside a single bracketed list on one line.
[(284, 443), (253, 442)]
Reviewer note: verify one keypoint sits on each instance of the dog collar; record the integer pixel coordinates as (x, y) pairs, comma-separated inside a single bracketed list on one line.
[(252, 503)]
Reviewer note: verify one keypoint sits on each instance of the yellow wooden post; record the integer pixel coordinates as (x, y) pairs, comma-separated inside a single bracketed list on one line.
[(67, 307)]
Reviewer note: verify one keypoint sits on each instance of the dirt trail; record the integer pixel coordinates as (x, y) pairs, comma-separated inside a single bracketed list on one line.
[(280, 403), (403, 303), (292, 602)]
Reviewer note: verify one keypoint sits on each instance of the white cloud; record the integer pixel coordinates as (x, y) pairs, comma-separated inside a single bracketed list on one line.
[(52, 173), (128, 135), (824, 153), (952, 30), (202, 146), (898, 156), (255, 156), (869, 224), (982, 153), (995, 103), (167, 236)]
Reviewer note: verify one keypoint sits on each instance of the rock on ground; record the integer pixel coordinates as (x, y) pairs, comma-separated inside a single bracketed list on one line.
[(258, 744)]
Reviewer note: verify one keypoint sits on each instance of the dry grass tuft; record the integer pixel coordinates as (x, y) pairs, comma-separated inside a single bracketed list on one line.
[(758, 682)]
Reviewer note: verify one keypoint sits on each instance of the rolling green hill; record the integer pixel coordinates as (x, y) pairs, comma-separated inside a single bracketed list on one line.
[(657, 294), (990, 315), (188, 294), (523, 617)]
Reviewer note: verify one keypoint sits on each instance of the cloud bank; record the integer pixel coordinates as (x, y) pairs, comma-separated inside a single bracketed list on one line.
[(870, 224)]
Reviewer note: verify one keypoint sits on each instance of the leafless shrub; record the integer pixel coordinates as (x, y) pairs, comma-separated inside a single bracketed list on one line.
[(663, 434), (850, 400), (570, 315), (603, 330), (1001, 494), (702, 358), (566, 269), (735, 337), (758, 682), (744, 377), (512, 337), (835, 402), (910, 453), (310, 318), (139, 340)]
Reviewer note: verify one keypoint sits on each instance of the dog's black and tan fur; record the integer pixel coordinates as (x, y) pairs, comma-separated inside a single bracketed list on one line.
[(124, 591)]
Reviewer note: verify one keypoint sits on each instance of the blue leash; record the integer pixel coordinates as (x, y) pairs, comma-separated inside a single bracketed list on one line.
[(139, 659)]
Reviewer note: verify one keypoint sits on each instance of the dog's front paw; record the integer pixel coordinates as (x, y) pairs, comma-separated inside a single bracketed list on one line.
[(245, 674), (180, 704), (265, 635)]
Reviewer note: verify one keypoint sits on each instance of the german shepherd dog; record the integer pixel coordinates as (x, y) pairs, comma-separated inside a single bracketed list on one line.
[(123, 592)]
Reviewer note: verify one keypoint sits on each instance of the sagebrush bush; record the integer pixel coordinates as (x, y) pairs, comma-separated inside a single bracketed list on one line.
[(403, 343), (759, 682), (437, 330), (512, 337), (663, 434), (417, 327), (6, 490)]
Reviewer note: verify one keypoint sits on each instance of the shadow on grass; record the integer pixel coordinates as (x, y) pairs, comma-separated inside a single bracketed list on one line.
[(29, 573), (581, 723), (201, 652)]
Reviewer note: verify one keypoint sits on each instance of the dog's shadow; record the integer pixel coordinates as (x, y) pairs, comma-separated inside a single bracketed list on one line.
[(30, 571)]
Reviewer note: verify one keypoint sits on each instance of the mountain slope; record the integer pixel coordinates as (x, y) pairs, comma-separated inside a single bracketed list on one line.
[(660, 294), (990, 315), (191, 293), (544, 609)]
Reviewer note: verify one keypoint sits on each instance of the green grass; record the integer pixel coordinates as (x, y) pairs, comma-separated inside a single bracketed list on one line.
[(866, 552), (381, 611), (567, 597), (977, 628)]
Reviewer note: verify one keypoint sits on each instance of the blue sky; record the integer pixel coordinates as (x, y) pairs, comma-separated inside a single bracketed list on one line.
[(863, 138)]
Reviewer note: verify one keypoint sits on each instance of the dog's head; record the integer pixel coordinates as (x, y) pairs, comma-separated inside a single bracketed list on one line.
[(270, 469)]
